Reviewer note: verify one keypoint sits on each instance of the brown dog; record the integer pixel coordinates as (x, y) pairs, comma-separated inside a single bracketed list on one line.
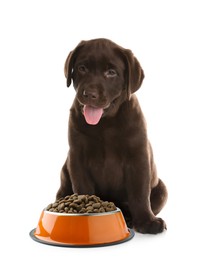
[(110, 154)]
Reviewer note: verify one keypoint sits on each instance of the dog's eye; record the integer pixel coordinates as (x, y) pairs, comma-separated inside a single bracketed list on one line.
[(111, 73), (82, 69)]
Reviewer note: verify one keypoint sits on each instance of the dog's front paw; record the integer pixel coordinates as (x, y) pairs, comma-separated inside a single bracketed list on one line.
[(154, 226)]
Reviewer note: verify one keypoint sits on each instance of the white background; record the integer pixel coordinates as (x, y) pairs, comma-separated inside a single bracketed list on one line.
[(176, 45)]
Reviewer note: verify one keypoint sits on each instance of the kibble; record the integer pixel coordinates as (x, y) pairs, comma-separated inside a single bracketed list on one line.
[(81, 204)]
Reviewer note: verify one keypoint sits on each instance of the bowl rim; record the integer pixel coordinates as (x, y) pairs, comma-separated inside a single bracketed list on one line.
[(82, 214)]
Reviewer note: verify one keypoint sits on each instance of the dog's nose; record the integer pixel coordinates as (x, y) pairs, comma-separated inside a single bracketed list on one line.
[(90, 94)]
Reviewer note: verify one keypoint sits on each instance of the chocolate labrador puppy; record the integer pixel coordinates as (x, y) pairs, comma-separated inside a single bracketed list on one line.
[(110, 154)]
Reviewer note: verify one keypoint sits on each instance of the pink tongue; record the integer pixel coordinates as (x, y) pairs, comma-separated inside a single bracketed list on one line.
[(92, 115)]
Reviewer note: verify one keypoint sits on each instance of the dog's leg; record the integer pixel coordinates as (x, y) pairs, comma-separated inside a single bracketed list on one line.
[(126, 213), (158, 197), (66, 185), (75, 176), (143, 218)]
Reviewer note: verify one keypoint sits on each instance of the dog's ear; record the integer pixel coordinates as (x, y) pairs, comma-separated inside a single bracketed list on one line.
[(134, 72), (68, 68), (69, 63)]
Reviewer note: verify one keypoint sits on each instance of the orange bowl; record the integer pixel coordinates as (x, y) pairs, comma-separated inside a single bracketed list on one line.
[(81, 230)]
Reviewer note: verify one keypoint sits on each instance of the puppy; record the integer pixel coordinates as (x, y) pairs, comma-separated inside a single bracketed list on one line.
[(110, 154)]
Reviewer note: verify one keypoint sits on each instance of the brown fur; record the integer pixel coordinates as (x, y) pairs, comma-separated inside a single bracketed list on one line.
[(112, 159)]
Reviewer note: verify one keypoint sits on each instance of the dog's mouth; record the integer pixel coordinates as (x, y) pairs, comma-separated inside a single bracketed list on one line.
[(93, 114)]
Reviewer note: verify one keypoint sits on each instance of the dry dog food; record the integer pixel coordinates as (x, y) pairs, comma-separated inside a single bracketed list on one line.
[(81, 204)]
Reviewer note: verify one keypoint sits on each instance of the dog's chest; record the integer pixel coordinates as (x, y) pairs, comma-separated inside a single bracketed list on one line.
[(106, 159)]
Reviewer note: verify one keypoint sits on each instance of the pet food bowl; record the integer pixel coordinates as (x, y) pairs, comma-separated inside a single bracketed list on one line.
[(81, 230)]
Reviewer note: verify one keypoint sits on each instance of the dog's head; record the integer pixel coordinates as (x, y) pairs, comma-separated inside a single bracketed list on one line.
[(104, 76)]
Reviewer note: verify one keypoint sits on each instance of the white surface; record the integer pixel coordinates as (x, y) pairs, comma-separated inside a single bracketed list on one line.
[(175, 43)]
